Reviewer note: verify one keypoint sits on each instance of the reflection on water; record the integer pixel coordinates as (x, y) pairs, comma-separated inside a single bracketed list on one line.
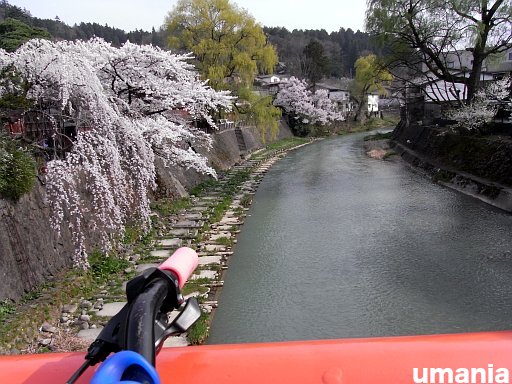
[(340, 245)]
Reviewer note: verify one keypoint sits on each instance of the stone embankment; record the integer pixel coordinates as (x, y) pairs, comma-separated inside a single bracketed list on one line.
[(197, 227), (478, 166), (32, 254), (492, 193)]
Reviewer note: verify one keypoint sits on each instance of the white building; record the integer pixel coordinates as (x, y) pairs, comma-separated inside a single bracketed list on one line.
[(373, 103), (338, 92), (459, 64), (269, 84)]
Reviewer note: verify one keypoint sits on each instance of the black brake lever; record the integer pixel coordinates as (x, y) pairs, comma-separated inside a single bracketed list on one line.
[(181, 324)]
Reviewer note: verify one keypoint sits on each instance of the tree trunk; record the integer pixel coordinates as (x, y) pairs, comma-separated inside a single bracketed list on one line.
[(479, 55), (359, 109), (473, 83)]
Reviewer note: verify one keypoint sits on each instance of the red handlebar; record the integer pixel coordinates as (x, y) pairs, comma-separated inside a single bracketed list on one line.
[(182, 263)]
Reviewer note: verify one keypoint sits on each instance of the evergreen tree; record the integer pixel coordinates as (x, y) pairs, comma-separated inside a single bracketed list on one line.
[(14, 33)]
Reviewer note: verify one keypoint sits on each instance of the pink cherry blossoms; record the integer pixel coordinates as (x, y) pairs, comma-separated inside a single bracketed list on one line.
[(484, 106), (129, 102), (296, 99)]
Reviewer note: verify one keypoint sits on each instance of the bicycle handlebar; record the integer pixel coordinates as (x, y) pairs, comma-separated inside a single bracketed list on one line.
[(140, 329), (182, 263), (142, 325)]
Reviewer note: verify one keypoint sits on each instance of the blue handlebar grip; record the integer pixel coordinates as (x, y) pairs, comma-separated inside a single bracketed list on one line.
[(126, 367)]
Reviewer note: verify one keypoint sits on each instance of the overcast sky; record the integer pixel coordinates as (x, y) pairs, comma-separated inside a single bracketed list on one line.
[(145, 14)]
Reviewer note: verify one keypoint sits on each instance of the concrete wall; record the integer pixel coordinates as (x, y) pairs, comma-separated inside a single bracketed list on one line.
[(30, 252)]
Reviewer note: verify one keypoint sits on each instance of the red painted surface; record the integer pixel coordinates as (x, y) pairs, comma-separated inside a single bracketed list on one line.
[(378, 360)]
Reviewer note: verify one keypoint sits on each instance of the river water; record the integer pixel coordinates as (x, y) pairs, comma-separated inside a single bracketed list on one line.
[(340, 245)]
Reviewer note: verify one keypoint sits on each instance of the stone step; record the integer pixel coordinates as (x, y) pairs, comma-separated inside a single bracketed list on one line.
[(219, 235), (198, 209), (170, 243), (206, 260), (142, 267), (192, 294), (184, 233), (210, 198), (215, 284), (176, 341), (111, 309), (191, 216), (90, 334), (230, 221), (208, 274), (214, 247), (187, 224), (159, 253)]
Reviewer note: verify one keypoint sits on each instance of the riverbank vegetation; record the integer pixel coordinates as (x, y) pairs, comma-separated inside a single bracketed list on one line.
[(281, 145), (21, 321)]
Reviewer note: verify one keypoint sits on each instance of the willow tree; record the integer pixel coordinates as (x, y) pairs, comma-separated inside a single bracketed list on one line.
[(436, 28), (371, 76), (229, 47)]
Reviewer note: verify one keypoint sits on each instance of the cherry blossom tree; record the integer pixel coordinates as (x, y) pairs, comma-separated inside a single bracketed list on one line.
[(484, 107), (124, 102), (304, 106)]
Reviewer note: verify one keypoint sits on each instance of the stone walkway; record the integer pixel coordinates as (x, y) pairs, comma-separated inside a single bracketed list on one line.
[(214, 249)]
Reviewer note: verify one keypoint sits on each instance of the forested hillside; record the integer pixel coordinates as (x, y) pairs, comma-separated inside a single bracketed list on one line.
[(341, 48), (61, 31)]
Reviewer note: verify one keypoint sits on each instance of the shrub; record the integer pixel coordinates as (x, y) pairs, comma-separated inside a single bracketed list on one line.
[(17, 170)]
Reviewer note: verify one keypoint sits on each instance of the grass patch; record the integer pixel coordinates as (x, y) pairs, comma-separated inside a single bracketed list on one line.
[(232, 185), (388, 154), (226, 241), (199, 331), (201, 188), (246, 201), (376, 123), (17, 169), (7, 307), (443, 176), (193, 286), (167, 206), (20, 324), (379, 136), (104, 266), (369, 125), (219, 209), (229, 189), (280, 145), (134, 234)]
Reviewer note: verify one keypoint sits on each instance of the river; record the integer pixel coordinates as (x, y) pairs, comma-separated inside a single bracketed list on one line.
[(340, 245)]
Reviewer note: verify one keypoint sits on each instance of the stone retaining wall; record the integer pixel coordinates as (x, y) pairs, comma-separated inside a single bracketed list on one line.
[(30, 253), (489, 158)]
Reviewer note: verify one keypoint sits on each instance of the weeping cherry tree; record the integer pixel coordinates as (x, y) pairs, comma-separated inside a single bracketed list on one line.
[(126, 101)]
